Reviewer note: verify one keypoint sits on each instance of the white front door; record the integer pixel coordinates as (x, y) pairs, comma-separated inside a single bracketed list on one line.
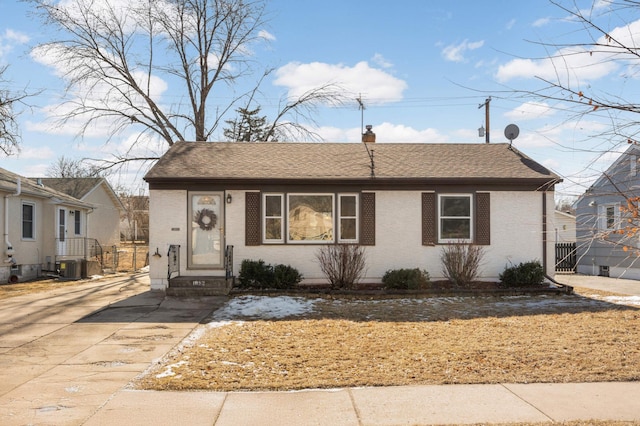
[(206, 236), (61, 233)]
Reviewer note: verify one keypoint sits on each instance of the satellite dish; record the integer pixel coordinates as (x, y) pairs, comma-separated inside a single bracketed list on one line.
[(511, 132)]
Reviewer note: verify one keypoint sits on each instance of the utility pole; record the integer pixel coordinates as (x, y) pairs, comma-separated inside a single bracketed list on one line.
[(486, 118)]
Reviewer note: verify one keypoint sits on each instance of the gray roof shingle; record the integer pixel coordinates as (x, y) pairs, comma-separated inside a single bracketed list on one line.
[(344, 161)]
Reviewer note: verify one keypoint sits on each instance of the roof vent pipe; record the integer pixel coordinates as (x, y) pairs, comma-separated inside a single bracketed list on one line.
[(9, 247)]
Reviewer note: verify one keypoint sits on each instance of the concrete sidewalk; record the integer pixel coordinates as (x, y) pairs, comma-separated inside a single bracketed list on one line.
[(403, 405), (66, 359)]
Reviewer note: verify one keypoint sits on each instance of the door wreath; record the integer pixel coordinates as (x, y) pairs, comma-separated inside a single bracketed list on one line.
[(206, 219)]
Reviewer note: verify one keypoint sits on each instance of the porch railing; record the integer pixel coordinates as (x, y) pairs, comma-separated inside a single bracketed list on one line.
[(79, 247), (228, 261), (173, 261)]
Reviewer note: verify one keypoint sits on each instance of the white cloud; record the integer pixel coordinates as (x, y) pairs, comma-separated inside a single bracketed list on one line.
[(385, 133), (10, 39), (376, 86), (455, 53), (576, 63), (541, 22), (530, 111), (266, 35), (379, 60), (37, 153)]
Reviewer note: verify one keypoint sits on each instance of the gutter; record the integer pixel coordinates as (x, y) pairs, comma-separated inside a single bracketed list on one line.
[(8, 247)]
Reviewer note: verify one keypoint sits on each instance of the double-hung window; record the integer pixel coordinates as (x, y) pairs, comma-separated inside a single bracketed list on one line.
[(348, 218), (609, 217), (454, 218), (273, 220), (28, 221)]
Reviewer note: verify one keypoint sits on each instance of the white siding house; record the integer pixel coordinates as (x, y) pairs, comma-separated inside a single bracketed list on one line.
[(280, 202)]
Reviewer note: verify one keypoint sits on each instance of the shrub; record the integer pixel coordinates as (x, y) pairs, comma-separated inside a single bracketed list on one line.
[(406, 279), (342, 264), (285, 276), (461, 263), (522, 275), (257, 274)]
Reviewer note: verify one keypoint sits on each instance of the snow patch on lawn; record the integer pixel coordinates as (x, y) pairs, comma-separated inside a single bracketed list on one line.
[(623, 300), (264, 307)]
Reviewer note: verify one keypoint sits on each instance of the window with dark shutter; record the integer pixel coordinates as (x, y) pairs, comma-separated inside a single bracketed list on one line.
[(252, 219)]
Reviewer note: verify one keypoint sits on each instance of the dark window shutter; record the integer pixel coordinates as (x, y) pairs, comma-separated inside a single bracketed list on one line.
[(252, 219), (483, 219), (429, 228), (368, 219)]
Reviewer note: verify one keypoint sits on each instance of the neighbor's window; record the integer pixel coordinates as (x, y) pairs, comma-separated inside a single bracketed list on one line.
[(272, 217), (310, 218), (454, 221), (76, 222), (348, 218), (28, 221), (609, 217)]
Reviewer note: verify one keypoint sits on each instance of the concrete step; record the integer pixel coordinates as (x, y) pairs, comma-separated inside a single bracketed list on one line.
[(199, 286)]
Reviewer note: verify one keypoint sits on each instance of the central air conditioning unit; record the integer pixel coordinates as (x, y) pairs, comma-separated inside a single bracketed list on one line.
[(69, 269)]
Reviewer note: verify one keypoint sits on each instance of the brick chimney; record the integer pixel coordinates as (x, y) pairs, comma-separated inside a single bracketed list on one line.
[(369, 136)]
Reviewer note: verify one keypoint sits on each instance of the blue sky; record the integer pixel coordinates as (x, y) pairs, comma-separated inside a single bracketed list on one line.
[(421, 67)]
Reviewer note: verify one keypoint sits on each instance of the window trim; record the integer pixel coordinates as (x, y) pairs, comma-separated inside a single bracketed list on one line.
[(470, 218), (340, 216), (33, 221), (333, 217), (264, 218)]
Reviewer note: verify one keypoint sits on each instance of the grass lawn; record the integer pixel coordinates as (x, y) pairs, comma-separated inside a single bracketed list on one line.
[(350, 342)]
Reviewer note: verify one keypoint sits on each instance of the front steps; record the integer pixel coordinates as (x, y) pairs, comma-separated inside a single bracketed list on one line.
[(199, 286)]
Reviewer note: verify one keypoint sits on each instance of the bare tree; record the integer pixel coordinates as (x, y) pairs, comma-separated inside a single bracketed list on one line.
[(115, 54), (608, 37), (73, 168), (9, 135), (601, 45)]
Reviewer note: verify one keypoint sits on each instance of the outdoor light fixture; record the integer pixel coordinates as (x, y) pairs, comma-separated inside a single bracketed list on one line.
[(229, 199), (481, 131)]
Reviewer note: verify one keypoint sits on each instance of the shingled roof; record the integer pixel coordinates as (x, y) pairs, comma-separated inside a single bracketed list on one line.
[(9, 183), (258, 161)]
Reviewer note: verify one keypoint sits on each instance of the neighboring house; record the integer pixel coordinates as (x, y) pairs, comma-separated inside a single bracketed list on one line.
[(601, 249), (103, 222), (43, 229), (280, 202), (563, 227)]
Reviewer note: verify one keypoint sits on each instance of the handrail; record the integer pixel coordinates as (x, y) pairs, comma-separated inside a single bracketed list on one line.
[(173, 260)]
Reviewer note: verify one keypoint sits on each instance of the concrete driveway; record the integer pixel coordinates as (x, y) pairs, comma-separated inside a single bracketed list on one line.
[(64, 353), (615, 285)]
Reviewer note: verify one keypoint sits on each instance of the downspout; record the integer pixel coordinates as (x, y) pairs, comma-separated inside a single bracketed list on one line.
[(567, 288), (9, 248)]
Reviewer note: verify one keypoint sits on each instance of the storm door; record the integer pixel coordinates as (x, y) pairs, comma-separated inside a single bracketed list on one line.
[(61, 232), (206, 245)]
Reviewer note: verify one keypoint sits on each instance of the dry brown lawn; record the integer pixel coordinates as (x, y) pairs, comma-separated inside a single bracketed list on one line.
[(38, 286), (372, 342)]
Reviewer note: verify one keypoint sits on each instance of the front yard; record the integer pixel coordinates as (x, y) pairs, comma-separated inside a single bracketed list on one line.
[(285, 343)]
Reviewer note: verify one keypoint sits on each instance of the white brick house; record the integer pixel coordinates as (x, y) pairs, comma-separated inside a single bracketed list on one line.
[(280, 201)]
